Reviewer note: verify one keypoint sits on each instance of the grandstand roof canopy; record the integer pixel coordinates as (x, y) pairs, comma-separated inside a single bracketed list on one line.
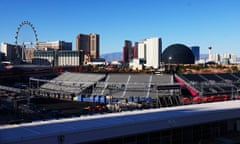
[(86, 128)]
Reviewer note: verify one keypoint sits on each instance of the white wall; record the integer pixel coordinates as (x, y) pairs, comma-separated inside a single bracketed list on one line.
[(150, 49), (153, 52), (135, 64), (69, 61), (141, 50)]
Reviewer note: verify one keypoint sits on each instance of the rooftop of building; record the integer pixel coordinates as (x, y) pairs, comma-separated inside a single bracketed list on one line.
[(83, 128)]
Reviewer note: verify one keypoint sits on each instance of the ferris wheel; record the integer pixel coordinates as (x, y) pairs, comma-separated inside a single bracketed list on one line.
[(20, 51)]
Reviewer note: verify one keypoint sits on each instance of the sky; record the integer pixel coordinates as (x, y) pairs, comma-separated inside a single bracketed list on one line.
[(203, 23)]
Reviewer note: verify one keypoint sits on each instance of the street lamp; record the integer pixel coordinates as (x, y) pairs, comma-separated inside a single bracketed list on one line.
[(169, 62)]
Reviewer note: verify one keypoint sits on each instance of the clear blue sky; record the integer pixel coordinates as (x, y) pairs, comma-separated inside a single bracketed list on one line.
[(204, 23)]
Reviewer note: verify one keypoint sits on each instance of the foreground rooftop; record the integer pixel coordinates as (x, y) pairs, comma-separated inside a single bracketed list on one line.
[(97, 127)]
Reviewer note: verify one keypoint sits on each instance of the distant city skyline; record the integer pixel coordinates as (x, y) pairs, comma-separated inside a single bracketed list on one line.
[(201, 23)]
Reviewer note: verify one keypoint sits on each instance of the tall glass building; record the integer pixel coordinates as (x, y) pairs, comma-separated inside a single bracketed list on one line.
[(127, 51), (196, 52)]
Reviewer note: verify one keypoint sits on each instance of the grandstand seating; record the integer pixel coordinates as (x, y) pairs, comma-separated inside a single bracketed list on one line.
[(213, 84), (73, 82), (121, 78), (228, 76), (212, 77), (117, 86), (236, 75), (127, 85), (193, 78)]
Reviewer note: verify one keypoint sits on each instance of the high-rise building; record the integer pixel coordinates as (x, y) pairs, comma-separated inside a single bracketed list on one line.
[(127, 51), (150, 50), (12, 53), (196, 52), (135, 50), (94, 45), (55, 45), (214, 57), (142, 50), (82, 43), (89, 43), (232, 58), (18, 54)]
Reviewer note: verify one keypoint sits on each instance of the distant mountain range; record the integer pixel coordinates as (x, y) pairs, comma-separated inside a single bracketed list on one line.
[(115, 56), (203, 56)]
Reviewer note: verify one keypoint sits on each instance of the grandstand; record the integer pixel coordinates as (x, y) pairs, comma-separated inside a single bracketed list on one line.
[(73, 83), (127, 86), (181, 124), (207, 85)]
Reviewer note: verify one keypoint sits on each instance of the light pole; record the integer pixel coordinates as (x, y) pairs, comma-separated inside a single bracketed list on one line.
[(169, 62)]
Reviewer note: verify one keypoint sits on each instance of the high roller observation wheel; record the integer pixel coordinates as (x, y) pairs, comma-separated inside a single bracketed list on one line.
[(16, 37)]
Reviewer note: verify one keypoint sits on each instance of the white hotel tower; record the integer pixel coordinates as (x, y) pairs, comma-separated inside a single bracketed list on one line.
[(150, 49)]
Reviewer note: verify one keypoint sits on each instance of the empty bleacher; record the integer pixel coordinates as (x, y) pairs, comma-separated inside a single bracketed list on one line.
[(217, 83), (118, 86), (72, 82), (138, 85), (193, 78), (236, 75), (119, 78), (228, 76), (212, 77), (131, 85), (123, 85)]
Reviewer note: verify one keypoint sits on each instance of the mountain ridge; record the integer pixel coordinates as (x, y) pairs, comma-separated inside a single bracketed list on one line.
[(114, 56)]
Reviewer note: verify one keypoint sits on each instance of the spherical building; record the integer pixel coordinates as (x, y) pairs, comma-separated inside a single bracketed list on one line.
[(178, 54)]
